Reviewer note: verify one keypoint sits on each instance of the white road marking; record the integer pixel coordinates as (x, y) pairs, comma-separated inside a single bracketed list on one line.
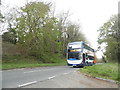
[(51, 77), (65, 73), (27, 84)]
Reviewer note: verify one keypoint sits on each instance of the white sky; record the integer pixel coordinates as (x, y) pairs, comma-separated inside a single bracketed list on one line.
[(91, 14)]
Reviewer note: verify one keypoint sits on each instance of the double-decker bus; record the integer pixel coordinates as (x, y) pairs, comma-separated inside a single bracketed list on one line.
[(78, 54)]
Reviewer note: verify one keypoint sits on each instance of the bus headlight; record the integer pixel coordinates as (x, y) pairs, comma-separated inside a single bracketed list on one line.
[(77, 50)]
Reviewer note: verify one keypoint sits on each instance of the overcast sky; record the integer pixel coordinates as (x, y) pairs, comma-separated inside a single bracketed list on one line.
[(91, 14)]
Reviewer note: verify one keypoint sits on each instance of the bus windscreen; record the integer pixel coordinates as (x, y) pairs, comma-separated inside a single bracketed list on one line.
[(73, 46), (75, 55)]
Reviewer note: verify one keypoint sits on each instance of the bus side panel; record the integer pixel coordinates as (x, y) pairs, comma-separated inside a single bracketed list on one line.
[(94, 61)]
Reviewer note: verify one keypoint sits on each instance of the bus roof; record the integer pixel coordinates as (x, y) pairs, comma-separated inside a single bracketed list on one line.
[(82, 43), (77, 42)]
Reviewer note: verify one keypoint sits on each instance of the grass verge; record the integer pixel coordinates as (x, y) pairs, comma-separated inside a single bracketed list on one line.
[(26, 65), (106, 71), (13, 62)]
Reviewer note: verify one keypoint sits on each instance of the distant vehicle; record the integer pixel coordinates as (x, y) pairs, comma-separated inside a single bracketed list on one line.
[(80, 54)]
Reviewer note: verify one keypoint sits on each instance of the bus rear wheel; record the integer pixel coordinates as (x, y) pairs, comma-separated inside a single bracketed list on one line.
[(81, 66)]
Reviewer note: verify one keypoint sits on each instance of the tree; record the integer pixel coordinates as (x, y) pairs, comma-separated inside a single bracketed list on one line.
[(1, 18), (10, 36), (8, 26), (74, 33), (69, 31), (37, 31), (108, 34), (62, 22), (118, 38)]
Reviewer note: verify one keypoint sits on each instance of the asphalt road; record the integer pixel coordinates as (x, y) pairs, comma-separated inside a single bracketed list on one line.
[(51, 77), (22, 77)]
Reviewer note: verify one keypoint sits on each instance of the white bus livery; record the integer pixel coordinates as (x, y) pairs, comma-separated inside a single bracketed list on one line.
[(80, 54)]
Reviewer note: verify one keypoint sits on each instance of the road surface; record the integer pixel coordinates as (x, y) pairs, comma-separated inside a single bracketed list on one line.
[(51, 77)]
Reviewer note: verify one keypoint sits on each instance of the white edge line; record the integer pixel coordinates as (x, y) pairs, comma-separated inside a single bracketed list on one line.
[(51, 77), (28, 72), (14, 69), (65, 73), (27, 84), (32, 71), (105, 79)]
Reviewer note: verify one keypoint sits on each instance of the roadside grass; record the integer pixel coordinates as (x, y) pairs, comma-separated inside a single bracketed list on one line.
[(105, 71), (13, 62), (26, 65)]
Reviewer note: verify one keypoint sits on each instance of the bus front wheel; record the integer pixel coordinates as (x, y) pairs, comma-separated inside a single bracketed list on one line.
[(74, 66)]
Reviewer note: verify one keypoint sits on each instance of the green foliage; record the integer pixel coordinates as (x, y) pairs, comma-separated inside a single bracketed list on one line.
[(35, 30), (69, 32), (1, 17), (9, 36), (74, 34), (108, 34)]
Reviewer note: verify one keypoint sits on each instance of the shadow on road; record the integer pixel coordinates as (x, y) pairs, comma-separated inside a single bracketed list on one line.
[(77, 67)]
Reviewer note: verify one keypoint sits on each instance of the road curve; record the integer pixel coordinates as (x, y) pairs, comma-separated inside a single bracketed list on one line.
[(22, 77), (51, 77)]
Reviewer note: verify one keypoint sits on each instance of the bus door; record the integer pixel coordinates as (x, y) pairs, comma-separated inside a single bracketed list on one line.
[(84, 58)]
